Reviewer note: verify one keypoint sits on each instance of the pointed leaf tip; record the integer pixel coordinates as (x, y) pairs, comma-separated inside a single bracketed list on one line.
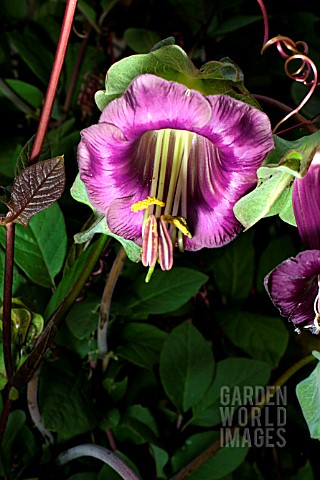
[(36, 188)]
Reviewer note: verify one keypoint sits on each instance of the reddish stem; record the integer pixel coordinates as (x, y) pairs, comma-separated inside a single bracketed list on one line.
[(54, 80), (36, 149), (7, 300), (265, 21)]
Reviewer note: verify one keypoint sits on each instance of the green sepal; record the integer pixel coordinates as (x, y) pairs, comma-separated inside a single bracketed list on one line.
[(99, 223), (172, 63), (273, 193)]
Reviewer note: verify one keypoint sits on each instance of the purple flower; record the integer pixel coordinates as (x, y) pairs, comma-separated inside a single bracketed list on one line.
[(294, 286), (166, 165)]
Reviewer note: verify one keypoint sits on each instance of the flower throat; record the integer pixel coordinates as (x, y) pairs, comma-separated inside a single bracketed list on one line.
[(164, 222)]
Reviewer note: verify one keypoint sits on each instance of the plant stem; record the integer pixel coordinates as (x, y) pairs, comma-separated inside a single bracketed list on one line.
[(27, 369), (7, 300), (54, 80), (106, 301), (285, 109), (100, 453), (212, 450), (32, 395), (36, 149)]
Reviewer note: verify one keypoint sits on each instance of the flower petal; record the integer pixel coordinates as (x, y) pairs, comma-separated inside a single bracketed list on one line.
[(293, 286), (238, 137), (152, 103), (306, 204)]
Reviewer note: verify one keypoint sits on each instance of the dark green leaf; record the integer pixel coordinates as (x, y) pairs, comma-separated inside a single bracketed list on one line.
[(64, 399), (29, 93), (308, 393), (277, 250), (230, 373), (141, 40), (161, 458), (141, 344), (41, 247), (166, 291), (33, 52), (262, 337), (138, 426), (225, 461), (83, 317), (69, 281), (24, 156), (233, 268), (186, 366)]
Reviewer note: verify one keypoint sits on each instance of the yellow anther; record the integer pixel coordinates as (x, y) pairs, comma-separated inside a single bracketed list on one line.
[(143, 204), (180, 223)]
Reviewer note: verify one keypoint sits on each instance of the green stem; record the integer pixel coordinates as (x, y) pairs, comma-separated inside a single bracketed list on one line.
[(28, 368), (213, 449)]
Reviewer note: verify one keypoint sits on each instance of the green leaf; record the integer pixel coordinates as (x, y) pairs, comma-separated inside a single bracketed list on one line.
[(289, 160), (308, 393), (40, 248), (161, 458), (225, 460), (141, 344), (83, 317), (167, 291), (14, 427), (257, 204), (233, 267), (29, 93), (24, 156), (138, 426), (262, 337), (69, 280), (304, 473), (17, 278), (231, 373), (33, 52), (233, 24), (84, 476), (64, 399), (141, 40), (172, 63), (277, 250), (186, 366)]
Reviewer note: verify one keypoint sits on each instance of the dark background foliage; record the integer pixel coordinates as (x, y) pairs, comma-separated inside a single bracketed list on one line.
[(172, 341)]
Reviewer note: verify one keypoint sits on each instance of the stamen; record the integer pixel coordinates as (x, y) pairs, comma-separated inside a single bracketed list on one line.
[(315, 327), (143, 204), (179, 222), (175, 169), (165, 247), (163, 167), (150, 242)]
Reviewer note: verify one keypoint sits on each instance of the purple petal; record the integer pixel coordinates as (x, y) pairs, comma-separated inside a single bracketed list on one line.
[(293, 286), (151, 103), (306, 205), (238, 137)]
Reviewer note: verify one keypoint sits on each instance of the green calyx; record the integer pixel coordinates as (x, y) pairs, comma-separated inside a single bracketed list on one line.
[(172, 63)]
